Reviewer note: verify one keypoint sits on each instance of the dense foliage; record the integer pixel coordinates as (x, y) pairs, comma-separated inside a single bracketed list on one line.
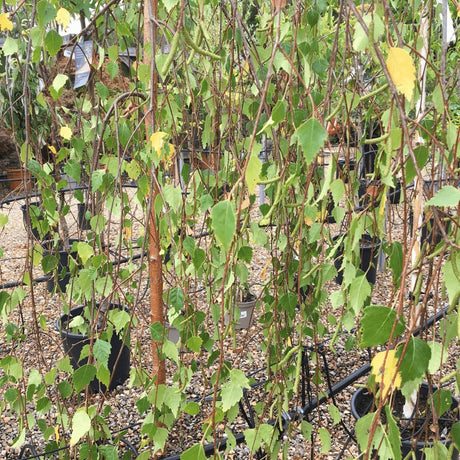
[(337, 109)]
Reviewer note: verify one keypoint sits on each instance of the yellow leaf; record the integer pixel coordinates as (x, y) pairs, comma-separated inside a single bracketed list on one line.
[(384, 365), (157, 140), (66, 132), (52, 149), (63, 18), (402, 71), (128, 232), (5, 23), (56, 432), (158, 143)]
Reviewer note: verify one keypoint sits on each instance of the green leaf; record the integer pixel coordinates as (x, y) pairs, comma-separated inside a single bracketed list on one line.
[(442, 400), (83, 376), (437, 99), (455, 433), (311, 137), (360, 290), (279, 111), (133, 169), (53, 42), (194, 344), (360, 38), (438, 452), (447, 196), (112, 69), (198, 257), (395, 261), (196, 452), (176, 298), (255, 437), (224, 223), (438, 356), (192, 408), (49, 262), (45, 12), (325, 438), (337, 188), (421, 155), (81, 424), (19, 440), (65, 389), (252, 173), (173, 196), (334, 413), (451, 281), (119, 318), (10, 46), (392, 436), (3, 220), (232, 390), (156, 331), (159, 439), (101, 351), (377, 323), (73, 169), (85, 251), (245, 254), (108, 452), (415, 361)]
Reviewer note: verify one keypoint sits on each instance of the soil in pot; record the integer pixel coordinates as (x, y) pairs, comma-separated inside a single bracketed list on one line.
[(73, 342), (369, 249), (416, 433)]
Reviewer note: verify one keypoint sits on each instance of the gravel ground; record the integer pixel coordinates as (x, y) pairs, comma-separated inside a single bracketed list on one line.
[(244, 353)]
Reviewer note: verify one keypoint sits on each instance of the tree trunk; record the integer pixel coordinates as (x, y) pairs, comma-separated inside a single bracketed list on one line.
[(154, 261)]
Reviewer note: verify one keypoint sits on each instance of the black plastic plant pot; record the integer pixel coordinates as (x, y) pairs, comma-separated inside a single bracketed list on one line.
[(362, 402), (368, 193), (344, 168), (394, 193), (430, 231), (368, 159), (119, 358), (63, 270), (28, 221), (369, 249), (83, 222)]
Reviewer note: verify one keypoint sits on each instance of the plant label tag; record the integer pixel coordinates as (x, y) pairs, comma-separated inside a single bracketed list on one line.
[(83, 59)]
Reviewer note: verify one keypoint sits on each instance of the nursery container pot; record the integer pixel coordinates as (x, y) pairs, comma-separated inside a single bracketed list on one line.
[(63, 273), (83, 222), (28, 225), (242, 312), (73, 342), (362, 402), (369, 249), (15, 178)]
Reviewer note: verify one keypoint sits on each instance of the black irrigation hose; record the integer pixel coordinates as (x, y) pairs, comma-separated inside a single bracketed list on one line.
[(328, 379), (30, 447), (291, 416), (299, 413), (36, 455)]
